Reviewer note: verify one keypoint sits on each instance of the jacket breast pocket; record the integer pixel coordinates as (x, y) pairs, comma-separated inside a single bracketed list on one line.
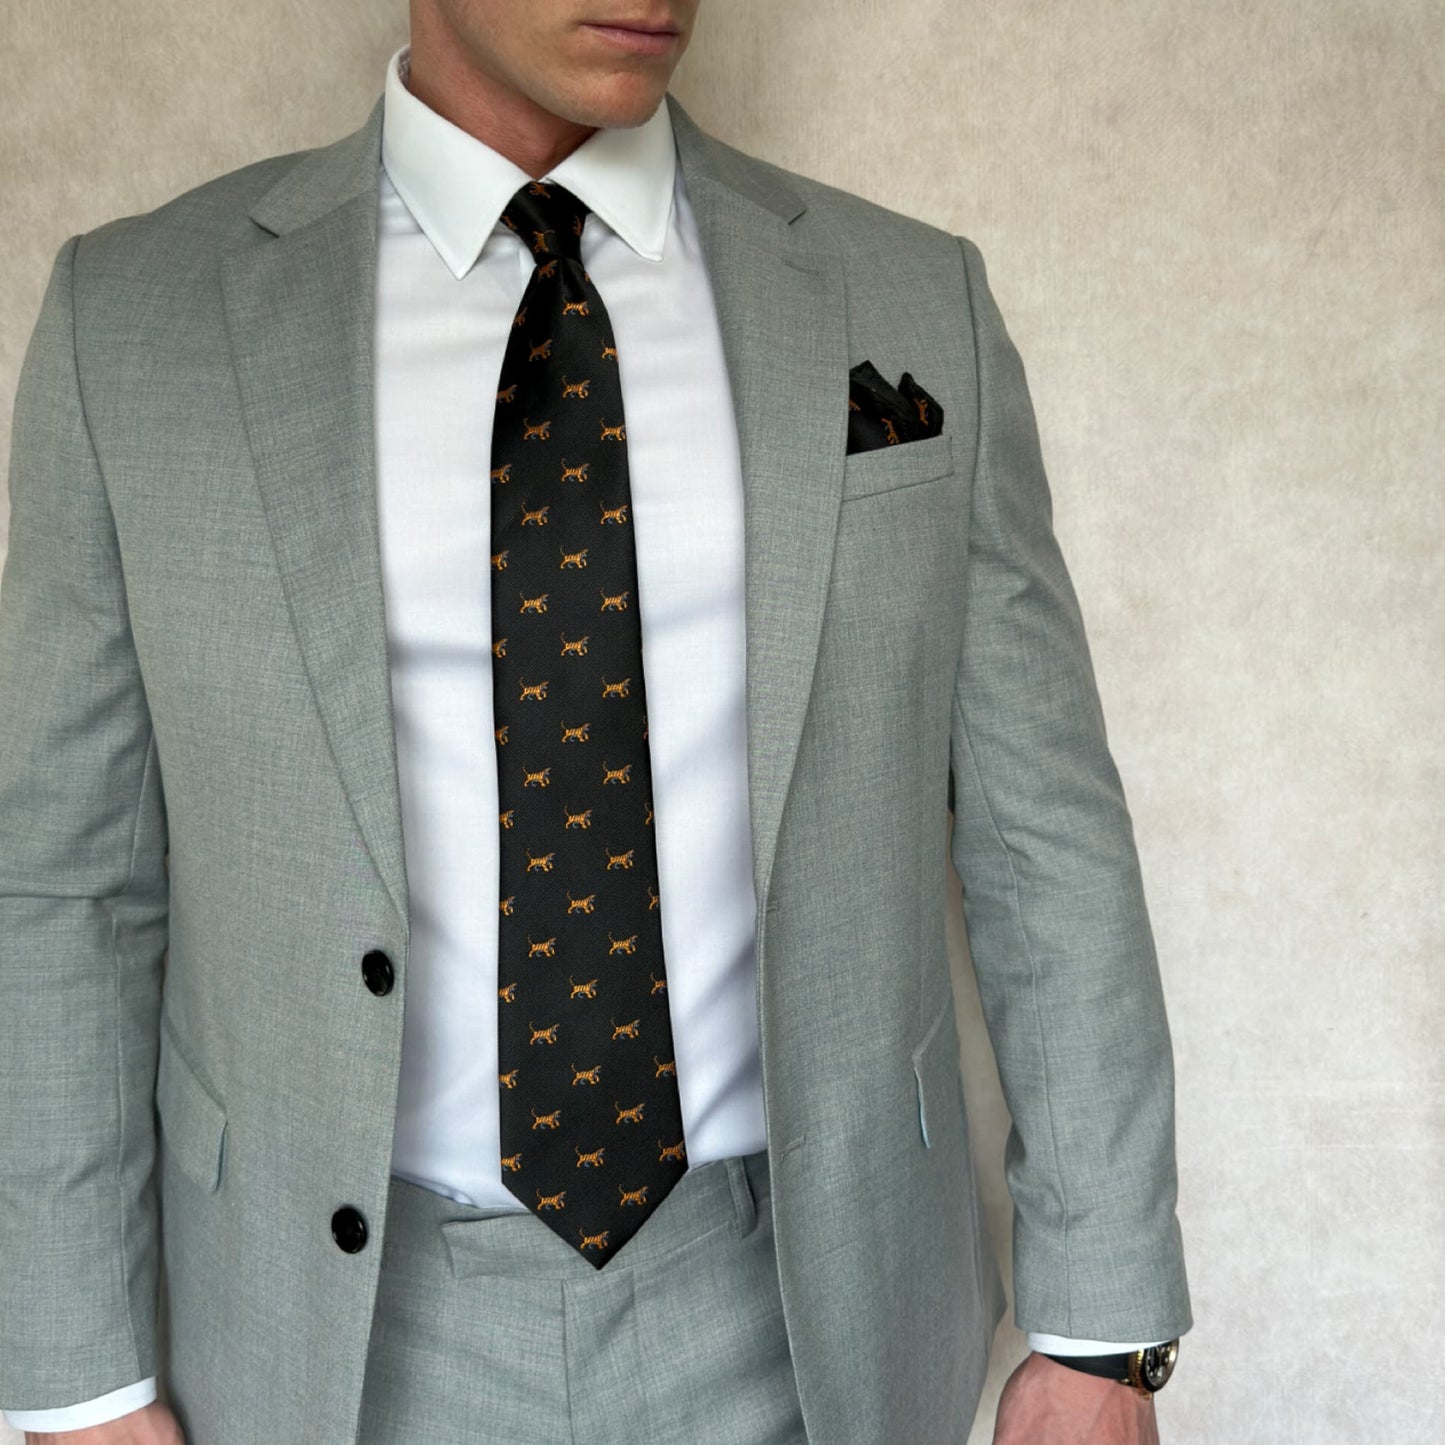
[(889, 469), (193, 1123), (936, 1076)]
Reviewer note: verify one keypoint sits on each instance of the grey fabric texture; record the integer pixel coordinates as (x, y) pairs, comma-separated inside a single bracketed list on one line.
[(489, 1327), (200, 828)]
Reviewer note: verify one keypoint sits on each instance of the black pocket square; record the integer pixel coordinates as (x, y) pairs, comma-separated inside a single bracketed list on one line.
[(880, 415)]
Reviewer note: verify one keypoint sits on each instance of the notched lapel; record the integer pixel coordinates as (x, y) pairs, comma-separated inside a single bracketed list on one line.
[(300, 310), (781, 306)]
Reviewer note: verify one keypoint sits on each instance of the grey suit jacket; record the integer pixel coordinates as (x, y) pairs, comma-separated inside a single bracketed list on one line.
[(200, 833)]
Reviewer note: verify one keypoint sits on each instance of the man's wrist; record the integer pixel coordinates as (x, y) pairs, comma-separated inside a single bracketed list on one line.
[(98, 1411), (1146, 1369)]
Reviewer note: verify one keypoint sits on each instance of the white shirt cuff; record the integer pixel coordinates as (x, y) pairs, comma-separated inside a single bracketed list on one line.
[(1062, 1345), (89, 1412)]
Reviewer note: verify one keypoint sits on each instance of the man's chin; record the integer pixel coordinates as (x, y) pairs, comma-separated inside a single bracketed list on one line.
[(617, 103)]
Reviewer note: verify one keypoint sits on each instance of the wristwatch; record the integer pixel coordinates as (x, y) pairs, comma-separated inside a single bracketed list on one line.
[(1146, 1370)]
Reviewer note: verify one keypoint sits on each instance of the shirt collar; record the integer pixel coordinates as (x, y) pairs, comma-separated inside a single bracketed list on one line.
[(456, 186)]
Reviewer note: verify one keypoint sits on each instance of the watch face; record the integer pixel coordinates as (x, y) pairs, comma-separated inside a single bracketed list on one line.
[(1159, 1365)]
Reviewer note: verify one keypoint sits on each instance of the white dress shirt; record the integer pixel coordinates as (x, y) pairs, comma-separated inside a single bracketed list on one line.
[(450, 276), (450, 279)]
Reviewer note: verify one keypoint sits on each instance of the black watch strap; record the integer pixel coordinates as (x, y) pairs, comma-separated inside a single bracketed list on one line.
[(1106, 1367), (1147, 1370)]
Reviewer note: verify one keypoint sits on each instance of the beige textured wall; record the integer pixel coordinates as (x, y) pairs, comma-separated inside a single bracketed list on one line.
[(1216, 232)]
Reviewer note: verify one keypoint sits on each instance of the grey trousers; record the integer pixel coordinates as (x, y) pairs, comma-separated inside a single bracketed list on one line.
[(490, 1330)]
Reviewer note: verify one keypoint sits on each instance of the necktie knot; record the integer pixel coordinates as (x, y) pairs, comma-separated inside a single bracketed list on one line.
[(548, 219)]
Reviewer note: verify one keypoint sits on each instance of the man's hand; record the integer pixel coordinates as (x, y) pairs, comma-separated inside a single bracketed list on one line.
[(151, 1425), (1048, 1404)]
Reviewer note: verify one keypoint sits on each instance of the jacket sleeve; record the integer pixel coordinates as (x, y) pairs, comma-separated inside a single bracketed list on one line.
[(83, 910), (1054, 906)]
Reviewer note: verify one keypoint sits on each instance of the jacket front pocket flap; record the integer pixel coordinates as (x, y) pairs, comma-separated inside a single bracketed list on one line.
[(193, 1124), (885, 469), (935, 1070)]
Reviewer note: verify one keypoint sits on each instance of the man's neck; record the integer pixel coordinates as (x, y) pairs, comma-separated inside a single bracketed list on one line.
[(512, 124)]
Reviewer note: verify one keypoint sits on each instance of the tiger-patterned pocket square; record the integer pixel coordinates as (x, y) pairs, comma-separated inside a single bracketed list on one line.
[(880, 415)]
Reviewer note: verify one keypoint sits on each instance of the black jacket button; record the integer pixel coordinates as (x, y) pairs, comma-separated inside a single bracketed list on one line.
[(377, 972), (348, 1229)]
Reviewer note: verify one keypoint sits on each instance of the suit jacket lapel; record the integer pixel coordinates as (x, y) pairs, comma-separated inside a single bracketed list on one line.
[(781, 307), (300, 308)]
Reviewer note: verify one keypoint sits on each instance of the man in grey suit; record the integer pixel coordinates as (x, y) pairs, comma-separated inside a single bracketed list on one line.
[(251, 635)]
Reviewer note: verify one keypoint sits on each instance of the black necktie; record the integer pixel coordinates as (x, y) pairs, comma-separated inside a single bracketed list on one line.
[(591, 1124)]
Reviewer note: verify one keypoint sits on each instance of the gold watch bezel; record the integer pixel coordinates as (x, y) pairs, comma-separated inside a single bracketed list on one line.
[(1149, 1376)]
